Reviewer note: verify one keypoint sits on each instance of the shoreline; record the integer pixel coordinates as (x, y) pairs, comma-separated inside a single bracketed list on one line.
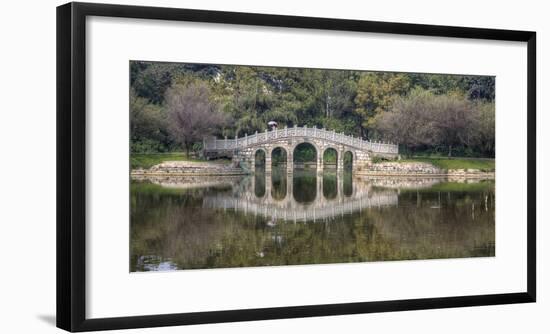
[(469, 175), (474, 175), (146, 173), (386, 170)]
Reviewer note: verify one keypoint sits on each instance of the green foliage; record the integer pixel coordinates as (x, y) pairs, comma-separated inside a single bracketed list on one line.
[(148, 126), (305, 153), (330, 156), (377, 159), (472, 86), (375, 94), (345, 101), (278, 156), (150, 80), (450, 123)]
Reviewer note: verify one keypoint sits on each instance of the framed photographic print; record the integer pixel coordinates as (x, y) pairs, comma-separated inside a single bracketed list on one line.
[(218, 166)]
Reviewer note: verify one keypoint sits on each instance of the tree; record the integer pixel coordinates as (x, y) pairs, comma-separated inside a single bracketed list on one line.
[(423, 119), (148, 126), (482, 129), (410, 121), (192, 113), (453, 112), (375, 94), (151, 79), (452, 118)]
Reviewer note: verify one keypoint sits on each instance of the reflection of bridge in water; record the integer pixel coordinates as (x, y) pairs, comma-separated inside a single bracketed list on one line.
[(296, 196), (301, 197)]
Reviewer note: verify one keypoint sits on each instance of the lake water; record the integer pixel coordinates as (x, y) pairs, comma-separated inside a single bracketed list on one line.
[(304, 218)]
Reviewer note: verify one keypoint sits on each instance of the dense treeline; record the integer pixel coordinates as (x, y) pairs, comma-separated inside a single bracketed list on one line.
[(173, 106)]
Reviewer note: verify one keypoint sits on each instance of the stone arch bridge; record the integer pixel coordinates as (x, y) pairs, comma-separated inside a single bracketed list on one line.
[(243, 150)]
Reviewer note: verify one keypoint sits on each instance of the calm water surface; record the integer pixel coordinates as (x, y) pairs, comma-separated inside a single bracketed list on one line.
[(304, 218)]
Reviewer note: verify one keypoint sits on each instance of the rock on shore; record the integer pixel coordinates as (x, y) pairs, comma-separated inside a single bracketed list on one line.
[(190, 168), (420, 169)]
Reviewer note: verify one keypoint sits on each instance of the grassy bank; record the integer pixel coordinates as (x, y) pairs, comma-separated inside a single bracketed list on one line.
[(456, 163), (147, 160)]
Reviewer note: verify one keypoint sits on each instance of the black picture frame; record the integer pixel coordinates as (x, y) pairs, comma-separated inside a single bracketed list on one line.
[(71, 166)]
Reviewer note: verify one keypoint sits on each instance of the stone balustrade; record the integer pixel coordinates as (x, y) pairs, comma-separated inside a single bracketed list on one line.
[(214, 144)]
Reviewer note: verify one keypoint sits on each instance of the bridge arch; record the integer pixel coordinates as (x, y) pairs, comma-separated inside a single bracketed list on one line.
[(349, 159), (312, 156), (279, 155), (260, 156)]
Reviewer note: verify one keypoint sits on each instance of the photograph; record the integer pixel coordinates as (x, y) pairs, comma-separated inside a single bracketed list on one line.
[(250, 166)]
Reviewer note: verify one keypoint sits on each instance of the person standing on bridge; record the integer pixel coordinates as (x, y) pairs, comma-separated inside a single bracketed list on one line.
[(272, 125)]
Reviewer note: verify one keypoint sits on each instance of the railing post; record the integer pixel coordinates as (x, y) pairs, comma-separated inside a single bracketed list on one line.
[(289, 163), (246, 139), (340, 161), (286, 131), (225, 142), (320, 162)]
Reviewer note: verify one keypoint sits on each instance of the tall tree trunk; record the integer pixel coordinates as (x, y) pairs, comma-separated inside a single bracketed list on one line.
[(363, 132)]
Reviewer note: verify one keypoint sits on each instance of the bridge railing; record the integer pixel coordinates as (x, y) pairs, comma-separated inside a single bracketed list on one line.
[(214, 144)]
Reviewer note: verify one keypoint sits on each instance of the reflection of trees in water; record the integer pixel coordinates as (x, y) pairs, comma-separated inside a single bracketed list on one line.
[(304, 186), (435, 224), (348, 183), (330, 185), (259, 181), (440, 223), (278, 179)]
